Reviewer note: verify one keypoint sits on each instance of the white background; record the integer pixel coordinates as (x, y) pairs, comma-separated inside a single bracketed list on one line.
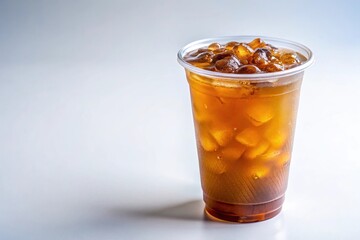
[(96, 133)]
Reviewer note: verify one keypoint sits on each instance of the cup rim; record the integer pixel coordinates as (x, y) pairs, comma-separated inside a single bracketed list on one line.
[(254, 77)]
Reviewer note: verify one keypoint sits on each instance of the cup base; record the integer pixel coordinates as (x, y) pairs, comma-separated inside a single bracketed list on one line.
[(225, 212)]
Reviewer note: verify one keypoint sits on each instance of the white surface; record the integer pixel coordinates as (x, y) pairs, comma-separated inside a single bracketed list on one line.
[(96, 134)]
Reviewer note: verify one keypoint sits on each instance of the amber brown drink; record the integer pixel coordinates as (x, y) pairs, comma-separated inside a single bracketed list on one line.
[(244, 125)]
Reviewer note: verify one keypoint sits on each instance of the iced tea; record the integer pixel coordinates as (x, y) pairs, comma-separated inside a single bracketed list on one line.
[(244, 126)]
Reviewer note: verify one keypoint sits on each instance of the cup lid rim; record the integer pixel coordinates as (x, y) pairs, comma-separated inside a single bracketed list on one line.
[(235, 76)]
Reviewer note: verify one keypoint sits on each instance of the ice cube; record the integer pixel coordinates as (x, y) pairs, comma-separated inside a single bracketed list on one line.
[(221, 54), (270, 47), (198, 116), (207, 142), (274, 67), (260, 113), (289, 58), (200, 103), (202, 57), (257, 43), (222, 137), (227, 65), (283, 159), (195, 52), (214, 46), (248, 137), (232, 152), (198, 112), (243, 52), (270, 155), (256, 151), (261, 56), (231, 45), (220, 50), (276, 136)]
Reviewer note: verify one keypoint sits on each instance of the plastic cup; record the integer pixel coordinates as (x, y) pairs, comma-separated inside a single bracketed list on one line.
[(244, 126)]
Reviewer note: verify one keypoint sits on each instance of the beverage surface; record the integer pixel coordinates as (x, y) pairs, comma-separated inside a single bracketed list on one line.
[(256, 56)]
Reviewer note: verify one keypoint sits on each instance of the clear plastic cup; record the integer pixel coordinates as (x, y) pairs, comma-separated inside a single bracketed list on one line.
[(244, 126)]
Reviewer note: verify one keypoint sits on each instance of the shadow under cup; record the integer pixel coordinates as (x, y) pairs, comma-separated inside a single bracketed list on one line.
[(244, 127)]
